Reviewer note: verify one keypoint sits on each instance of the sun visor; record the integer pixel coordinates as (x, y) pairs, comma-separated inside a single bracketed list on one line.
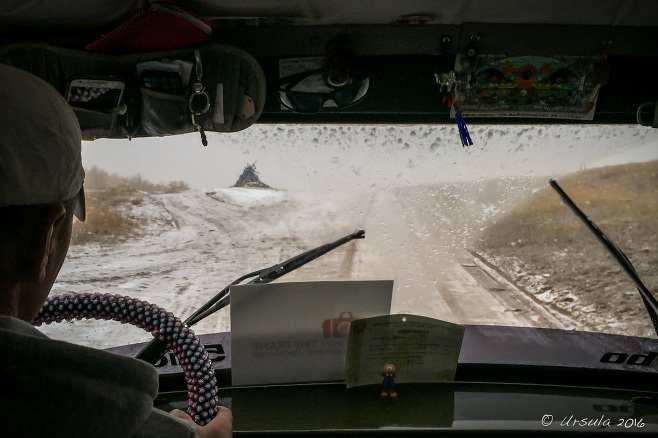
[(214, 88)]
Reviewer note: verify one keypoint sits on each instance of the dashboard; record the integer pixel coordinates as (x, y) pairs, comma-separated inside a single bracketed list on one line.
[(504, 386)]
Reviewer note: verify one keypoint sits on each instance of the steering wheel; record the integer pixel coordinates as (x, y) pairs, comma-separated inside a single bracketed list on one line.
[(203, 403)]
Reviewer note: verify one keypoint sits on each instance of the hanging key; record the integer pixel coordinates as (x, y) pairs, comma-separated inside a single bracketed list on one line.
[(197, 121), (199, 102)]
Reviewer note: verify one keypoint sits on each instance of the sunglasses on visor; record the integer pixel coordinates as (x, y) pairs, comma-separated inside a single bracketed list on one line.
[(312, 102)]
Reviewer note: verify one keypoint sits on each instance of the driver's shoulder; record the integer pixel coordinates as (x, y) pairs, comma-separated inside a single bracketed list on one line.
[(10, 326), (70, 378)]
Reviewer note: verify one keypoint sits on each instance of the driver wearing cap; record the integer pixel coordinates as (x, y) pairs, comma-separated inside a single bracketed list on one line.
[(49, 387)]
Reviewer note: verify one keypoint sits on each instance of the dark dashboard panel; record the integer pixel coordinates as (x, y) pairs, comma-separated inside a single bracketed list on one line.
[(496, 354), (509, 380), (438, 408)]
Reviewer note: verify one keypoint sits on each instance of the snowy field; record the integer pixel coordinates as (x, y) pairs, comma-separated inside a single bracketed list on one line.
[(196, 243)]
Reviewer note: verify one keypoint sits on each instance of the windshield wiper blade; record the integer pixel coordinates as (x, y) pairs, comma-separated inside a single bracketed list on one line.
[(267, 275), (276, 271), (154, 350), (649, 300)]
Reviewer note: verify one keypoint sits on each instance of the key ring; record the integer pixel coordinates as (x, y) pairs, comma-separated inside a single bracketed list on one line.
[(199, 102)]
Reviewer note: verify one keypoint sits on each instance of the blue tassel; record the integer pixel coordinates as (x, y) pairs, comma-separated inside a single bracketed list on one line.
[(463, 130)]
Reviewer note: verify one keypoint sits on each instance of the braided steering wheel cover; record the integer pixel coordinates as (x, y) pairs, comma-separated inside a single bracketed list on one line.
[(203, 403)]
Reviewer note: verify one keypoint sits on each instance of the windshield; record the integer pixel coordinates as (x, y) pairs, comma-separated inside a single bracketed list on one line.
[(469, 235)]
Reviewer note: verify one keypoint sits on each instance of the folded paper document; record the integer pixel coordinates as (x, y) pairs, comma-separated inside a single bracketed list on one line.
[(420, 349)]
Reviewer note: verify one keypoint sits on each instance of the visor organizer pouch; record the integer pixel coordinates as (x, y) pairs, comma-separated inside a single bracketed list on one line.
[(214, 88)]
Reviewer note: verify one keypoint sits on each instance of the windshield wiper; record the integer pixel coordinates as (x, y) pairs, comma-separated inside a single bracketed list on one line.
[(155, 349), (649, 300)]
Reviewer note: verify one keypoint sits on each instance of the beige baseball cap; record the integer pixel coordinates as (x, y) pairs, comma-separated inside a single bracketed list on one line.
[(40, 144)]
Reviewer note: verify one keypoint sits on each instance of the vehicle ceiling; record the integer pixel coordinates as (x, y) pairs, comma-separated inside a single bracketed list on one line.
[(399, 40), (79, 15)]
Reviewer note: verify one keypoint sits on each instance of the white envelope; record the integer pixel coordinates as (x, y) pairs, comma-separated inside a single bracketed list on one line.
[(297, 332)]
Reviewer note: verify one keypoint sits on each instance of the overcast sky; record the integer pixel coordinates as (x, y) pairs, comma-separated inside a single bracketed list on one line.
[(334, 157)]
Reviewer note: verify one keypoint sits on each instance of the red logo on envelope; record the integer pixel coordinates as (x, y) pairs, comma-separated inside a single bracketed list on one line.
[(338, 327)]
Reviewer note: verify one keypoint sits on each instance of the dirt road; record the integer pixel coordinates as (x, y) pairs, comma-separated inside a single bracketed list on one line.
[(421, 245), (199, 242)]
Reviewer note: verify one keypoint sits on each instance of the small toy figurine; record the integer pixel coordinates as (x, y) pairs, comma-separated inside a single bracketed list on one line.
[(389, 381)]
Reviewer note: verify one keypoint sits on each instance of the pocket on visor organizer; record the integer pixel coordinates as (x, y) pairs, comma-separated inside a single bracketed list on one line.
[(98, 123), (163, 113)]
